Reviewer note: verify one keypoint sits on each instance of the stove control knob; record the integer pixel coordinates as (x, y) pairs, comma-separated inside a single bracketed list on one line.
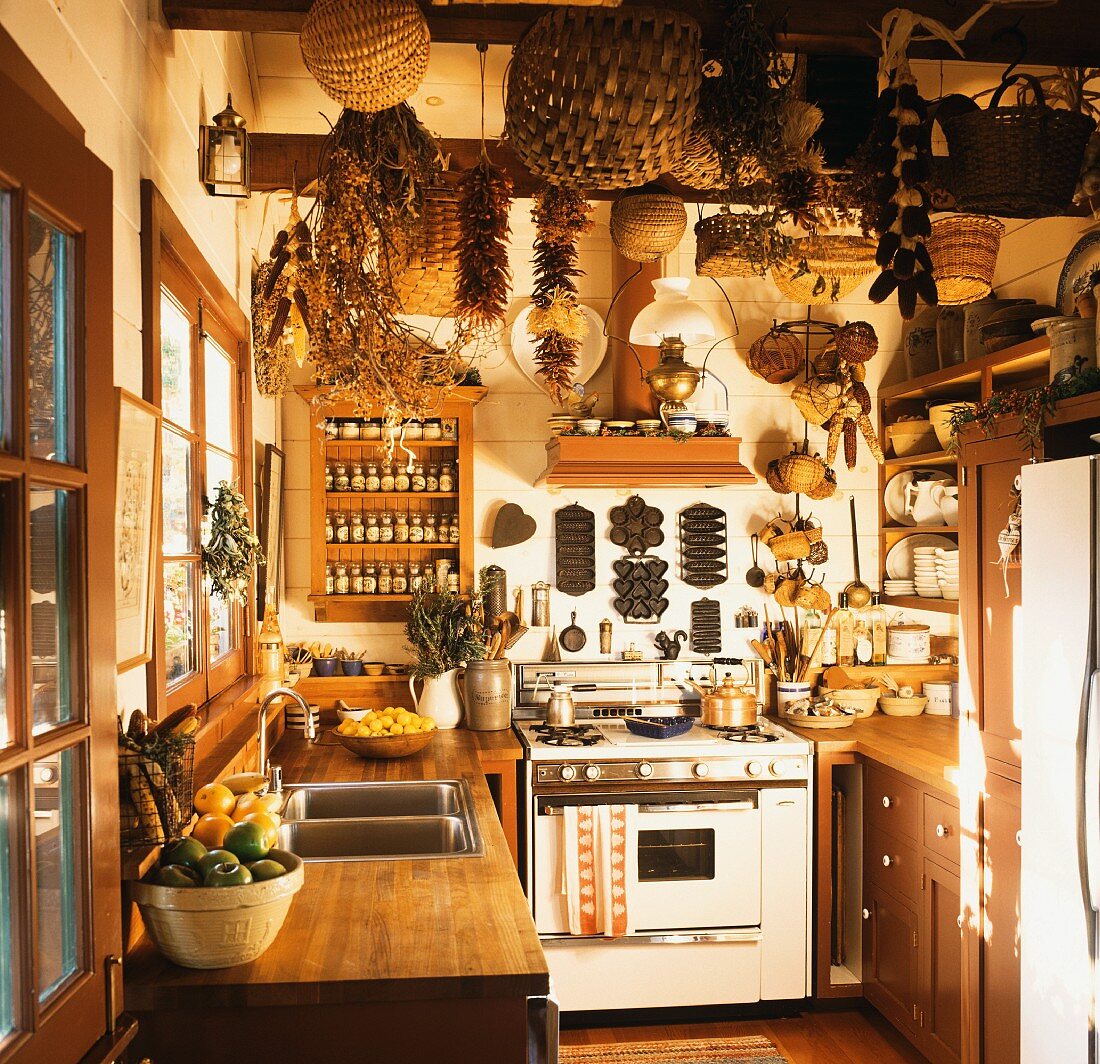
[(778, 768), (567, 772), (753, 769), (591, 772), (645, 770), (700, 769)]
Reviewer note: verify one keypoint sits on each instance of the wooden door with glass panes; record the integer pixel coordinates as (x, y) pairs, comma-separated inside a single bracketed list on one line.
[(59, 850)]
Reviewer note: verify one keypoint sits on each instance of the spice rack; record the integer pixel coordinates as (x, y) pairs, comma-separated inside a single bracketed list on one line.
[(976, 379), (337, 601)]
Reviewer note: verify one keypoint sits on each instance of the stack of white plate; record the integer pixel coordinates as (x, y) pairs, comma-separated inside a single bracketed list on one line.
[(947, 573), (899, 588), (925, 575)]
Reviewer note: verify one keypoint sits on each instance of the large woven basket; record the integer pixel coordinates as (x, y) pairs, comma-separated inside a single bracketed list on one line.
[(825, 269), (1016, 162), (427, 285), (648, 223), (964, 251), (726, 245), (776, 357), (366, 54), (603, 98)]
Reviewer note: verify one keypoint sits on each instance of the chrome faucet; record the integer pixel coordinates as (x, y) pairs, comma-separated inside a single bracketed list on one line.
[(309, 729)]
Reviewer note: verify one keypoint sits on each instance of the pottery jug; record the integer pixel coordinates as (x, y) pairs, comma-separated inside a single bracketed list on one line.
[(920, 504), (440, 698), (947, 499), (488, 695)]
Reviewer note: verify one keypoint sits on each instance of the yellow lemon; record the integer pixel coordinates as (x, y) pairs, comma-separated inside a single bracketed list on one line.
[(412, 728), (386, 721), (375, 727), (247, 803), (371, 715), (427, 724), (269, 822), (364, 730), (396, 729), (403, 717)]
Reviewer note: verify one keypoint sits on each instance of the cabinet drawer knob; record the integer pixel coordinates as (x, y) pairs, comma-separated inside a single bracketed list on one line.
[(887, 801), (866, 914), (887, 860), (959, 921), (1019, 838), (943, 830)]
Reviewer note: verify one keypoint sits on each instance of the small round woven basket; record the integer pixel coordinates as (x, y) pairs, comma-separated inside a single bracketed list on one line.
[(964, 251), (856, 341), (792, 547), (774, 480), (818, 398), (603, 97), (801, 472), (727, 246), (826, 489), (366, 56), (824, 269), (647, 223), (776, 357), (427, 284)]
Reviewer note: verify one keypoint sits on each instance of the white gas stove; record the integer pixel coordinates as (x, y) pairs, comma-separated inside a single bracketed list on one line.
[(718, 834)]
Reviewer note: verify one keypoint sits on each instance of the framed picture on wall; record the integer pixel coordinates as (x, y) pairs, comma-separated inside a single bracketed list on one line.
[(270, 528), (137, 515)]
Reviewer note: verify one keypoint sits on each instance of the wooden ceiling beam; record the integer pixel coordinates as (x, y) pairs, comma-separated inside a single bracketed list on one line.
[(1067, 33)]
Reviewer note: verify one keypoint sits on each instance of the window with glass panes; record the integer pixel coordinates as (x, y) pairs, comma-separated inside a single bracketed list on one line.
[(202, 406)]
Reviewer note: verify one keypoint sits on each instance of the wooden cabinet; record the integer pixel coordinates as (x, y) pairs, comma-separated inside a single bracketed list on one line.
[(343, 604), (890, 957), (940, 1016)]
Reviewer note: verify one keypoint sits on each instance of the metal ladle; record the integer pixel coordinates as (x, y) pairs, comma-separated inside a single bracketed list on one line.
[(859, 594), (755, 576)]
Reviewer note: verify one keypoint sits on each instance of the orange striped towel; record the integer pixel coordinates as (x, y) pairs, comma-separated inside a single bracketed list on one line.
[(600, 849)]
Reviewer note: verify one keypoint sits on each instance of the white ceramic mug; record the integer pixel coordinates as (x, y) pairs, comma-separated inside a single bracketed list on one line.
[(939, 698)]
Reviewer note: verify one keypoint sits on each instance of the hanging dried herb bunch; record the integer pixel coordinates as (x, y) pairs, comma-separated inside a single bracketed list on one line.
[(484, 278), (372, 183), (561, 215), (232, 552)]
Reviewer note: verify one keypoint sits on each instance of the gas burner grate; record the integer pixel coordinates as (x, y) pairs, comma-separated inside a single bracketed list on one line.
[(566, 735), (753, 733)]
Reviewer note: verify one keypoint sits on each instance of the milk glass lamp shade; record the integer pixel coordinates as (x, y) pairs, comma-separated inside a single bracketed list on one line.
[(225, 166), (671, 314)]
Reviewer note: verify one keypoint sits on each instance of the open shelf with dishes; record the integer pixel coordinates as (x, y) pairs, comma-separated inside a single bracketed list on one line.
[(910, 504)]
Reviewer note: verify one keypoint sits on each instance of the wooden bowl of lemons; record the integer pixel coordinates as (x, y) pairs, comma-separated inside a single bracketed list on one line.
[(386, 732)]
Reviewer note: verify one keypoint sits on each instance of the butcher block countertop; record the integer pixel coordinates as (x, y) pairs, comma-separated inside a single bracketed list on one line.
[(924, 747), (378, 931)]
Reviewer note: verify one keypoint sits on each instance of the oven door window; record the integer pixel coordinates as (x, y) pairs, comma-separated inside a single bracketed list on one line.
[(675, 855)]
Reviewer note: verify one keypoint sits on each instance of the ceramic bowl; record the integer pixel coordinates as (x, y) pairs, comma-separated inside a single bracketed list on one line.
[(902, 707), (685, 423), (911, 437), (324, 666), (619, 424), (940, 416), (351, 714), (373, 668), (396, 668), (351, 667), (590, 426), (648, 425)]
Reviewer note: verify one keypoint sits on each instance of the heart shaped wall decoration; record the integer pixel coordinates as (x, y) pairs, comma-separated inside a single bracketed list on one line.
[(512, 526)]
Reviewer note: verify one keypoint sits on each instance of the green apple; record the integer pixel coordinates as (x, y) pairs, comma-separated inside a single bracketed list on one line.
[(215, 857), (183, 851), (267, 869), (247, 841), (227, 875), (177, 875)]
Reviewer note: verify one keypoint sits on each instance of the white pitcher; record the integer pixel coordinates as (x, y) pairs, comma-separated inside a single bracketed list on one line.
[(440, 698), (920, 504), (947, 499)]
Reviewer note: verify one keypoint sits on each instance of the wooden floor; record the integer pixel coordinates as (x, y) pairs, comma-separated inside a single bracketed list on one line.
[(849, 1037)]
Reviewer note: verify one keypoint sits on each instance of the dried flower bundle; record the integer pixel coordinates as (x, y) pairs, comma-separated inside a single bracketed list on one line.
[(561, 215), (484, 276), (231, 554)]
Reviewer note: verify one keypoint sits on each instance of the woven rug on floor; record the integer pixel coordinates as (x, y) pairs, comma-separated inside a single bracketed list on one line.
[(751, 1050)]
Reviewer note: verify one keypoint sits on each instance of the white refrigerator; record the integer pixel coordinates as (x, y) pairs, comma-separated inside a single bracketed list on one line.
[(1058, 694)]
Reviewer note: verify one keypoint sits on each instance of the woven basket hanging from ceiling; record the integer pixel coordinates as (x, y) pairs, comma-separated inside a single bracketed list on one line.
[(603, 98), (366, 55), (727, 245), (776, 357), (698, 166), (427, 284), (824, 269), (647, 223), (964, 251)]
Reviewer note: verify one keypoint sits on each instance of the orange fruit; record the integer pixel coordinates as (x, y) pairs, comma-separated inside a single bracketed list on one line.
[(212, 829), (214, 798), (268, 821), (247, 803)]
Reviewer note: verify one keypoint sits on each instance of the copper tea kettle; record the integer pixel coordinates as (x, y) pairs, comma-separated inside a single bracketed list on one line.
[(726, 705)]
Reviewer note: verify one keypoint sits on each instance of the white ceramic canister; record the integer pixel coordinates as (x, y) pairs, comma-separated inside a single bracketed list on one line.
[(788, 691), (939, 698), (1072, 339), (908, 642)]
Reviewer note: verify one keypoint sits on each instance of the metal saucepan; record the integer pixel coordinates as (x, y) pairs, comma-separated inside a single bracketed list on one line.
[(729, 705), (572, 636)]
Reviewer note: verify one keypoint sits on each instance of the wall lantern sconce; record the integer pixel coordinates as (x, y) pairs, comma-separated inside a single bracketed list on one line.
[(225, 165)]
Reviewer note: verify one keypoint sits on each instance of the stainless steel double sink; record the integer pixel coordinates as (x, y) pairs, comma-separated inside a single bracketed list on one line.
[(384, 821)]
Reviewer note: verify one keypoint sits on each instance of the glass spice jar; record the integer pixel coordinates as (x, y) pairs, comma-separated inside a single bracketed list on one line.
[(433, 429), (431, 480), (431, 535), (372, 429), (358, 478), (454, 528), (401, 479), (400, 580), (373, 482), (340, 479), (443, 524), (418, 481), (328, 477), (330, 580), (372, 528), (401, 528), (385, 528), (349, 428), (385, 579), (452, 583), (386, 480), (416, 529), (341, 525), (442, 568), (414, 429), (341, 582), (356, 580), (330, 532), (416, 578), (446, 477), (370, 579), (358, 531)]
